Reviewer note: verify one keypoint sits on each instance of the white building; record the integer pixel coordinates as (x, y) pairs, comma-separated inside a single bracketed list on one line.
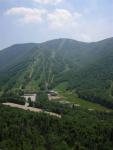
[(31, 96)]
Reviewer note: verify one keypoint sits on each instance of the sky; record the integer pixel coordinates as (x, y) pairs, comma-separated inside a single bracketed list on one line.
[(35, 21)]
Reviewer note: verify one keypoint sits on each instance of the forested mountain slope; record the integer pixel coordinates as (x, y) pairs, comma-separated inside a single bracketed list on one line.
[(76, 130), (86, 68)]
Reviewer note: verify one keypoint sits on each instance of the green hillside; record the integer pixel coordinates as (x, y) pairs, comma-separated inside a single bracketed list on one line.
[(76, 130), (86, 68)]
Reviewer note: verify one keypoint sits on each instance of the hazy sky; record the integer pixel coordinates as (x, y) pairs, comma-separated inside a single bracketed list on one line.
[(40, 20)]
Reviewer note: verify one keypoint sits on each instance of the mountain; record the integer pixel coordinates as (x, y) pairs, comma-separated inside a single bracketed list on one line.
[(86, 68)]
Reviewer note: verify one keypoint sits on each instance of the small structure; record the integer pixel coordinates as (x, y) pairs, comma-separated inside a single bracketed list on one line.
[(77, 105), (31, 96), (90, 109), (65, 102), (53, 95)]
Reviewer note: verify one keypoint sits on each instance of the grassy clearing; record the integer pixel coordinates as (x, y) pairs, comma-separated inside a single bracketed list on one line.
[(72, 97)]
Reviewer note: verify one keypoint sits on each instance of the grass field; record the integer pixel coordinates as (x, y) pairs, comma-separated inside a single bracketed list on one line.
[(70, 96)]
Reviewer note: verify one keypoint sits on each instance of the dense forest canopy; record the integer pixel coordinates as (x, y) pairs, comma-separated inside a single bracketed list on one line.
[(78, 129)]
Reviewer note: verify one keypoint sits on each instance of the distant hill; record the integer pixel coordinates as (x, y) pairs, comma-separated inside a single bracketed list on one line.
[(86, 68)]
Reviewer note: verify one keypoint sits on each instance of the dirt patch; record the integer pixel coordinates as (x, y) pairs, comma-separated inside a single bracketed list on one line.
[(31, 109)]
